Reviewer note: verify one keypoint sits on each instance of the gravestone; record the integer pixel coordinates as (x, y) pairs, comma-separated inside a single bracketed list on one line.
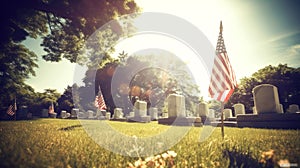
[(266, 99), (153, 113), (176, 105), (211, 113), (63, 114), (100, 114), (140, 108), (45, 113), (81, 114), (118, 113), (239, 109), (107, 115), (90, 114), (140, 112), (22, 113), (202, 110), (293, 108), (227, 113), (177, 113), (74, 113)]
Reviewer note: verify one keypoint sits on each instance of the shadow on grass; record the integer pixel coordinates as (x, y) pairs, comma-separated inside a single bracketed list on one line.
[(70, 128), (239, 159)]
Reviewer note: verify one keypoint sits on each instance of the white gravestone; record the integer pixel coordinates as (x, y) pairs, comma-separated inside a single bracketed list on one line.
[(140, 108), (266, 99), (107, 115), (153, 113), (202, 109), (63, 114), (239, 108), (74, 112), (176, 106), (293, 108), (211, 113), (90, 114), (118, 113), (227, 113), (82, 115)]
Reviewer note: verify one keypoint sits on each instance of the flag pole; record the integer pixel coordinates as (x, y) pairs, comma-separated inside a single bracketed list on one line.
[(222, 119), (15, 108)]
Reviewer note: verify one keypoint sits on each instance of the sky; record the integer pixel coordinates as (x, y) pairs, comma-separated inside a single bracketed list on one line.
[(256, 34)]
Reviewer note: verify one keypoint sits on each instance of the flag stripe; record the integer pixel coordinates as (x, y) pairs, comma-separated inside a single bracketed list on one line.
[(10, 111), (99, 101)]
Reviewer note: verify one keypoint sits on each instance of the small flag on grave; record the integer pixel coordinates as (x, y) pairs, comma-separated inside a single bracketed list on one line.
[(99, 101)]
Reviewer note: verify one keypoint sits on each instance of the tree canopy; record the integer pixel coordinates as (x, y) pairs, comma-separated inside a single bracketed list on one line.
[(63, 26)]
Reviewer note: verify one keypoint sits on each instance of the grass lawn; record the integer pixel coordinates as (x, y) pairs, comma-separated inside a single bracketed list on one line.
[(65, 143)]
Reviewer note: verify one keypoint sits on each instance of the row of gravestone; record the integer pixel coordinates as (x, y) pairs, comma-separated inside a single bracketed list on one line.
[(265, 97)]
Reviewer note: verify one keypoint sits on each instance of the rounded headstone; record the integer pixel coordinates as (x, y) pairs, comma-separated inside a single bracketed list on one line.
[(239, 109), (227, 113), (203, 109), (266, 99)]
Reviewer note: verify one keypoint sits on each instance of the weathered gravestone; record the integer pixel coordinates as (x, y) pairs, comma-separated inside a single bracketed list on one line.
[(118, 115), (64, 114), (81, 115), (22, 113), (211, 113), (107, 115), (140, 112), (100, 114), (202, 110), (239, 109), (131, 114), (153, 113), (227, 113), (293, 108), (90, 114), (177, 113), (74, 113), (266, 99), (176, 105), (140, 108)]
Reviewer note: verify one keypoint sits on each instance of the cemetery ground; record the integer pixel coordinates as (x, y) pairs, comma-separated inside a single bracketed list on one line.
[(65, 143)]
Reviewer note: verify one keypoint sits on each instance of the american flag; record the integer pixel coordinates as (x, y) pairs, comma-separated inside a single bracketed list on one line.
[(223, 81), (12, 109), (51, 108), (99, 101)]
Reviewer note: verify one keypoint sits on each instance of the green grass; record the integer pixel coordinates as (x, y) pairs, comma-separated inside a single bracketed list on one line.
[(65, 143)]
